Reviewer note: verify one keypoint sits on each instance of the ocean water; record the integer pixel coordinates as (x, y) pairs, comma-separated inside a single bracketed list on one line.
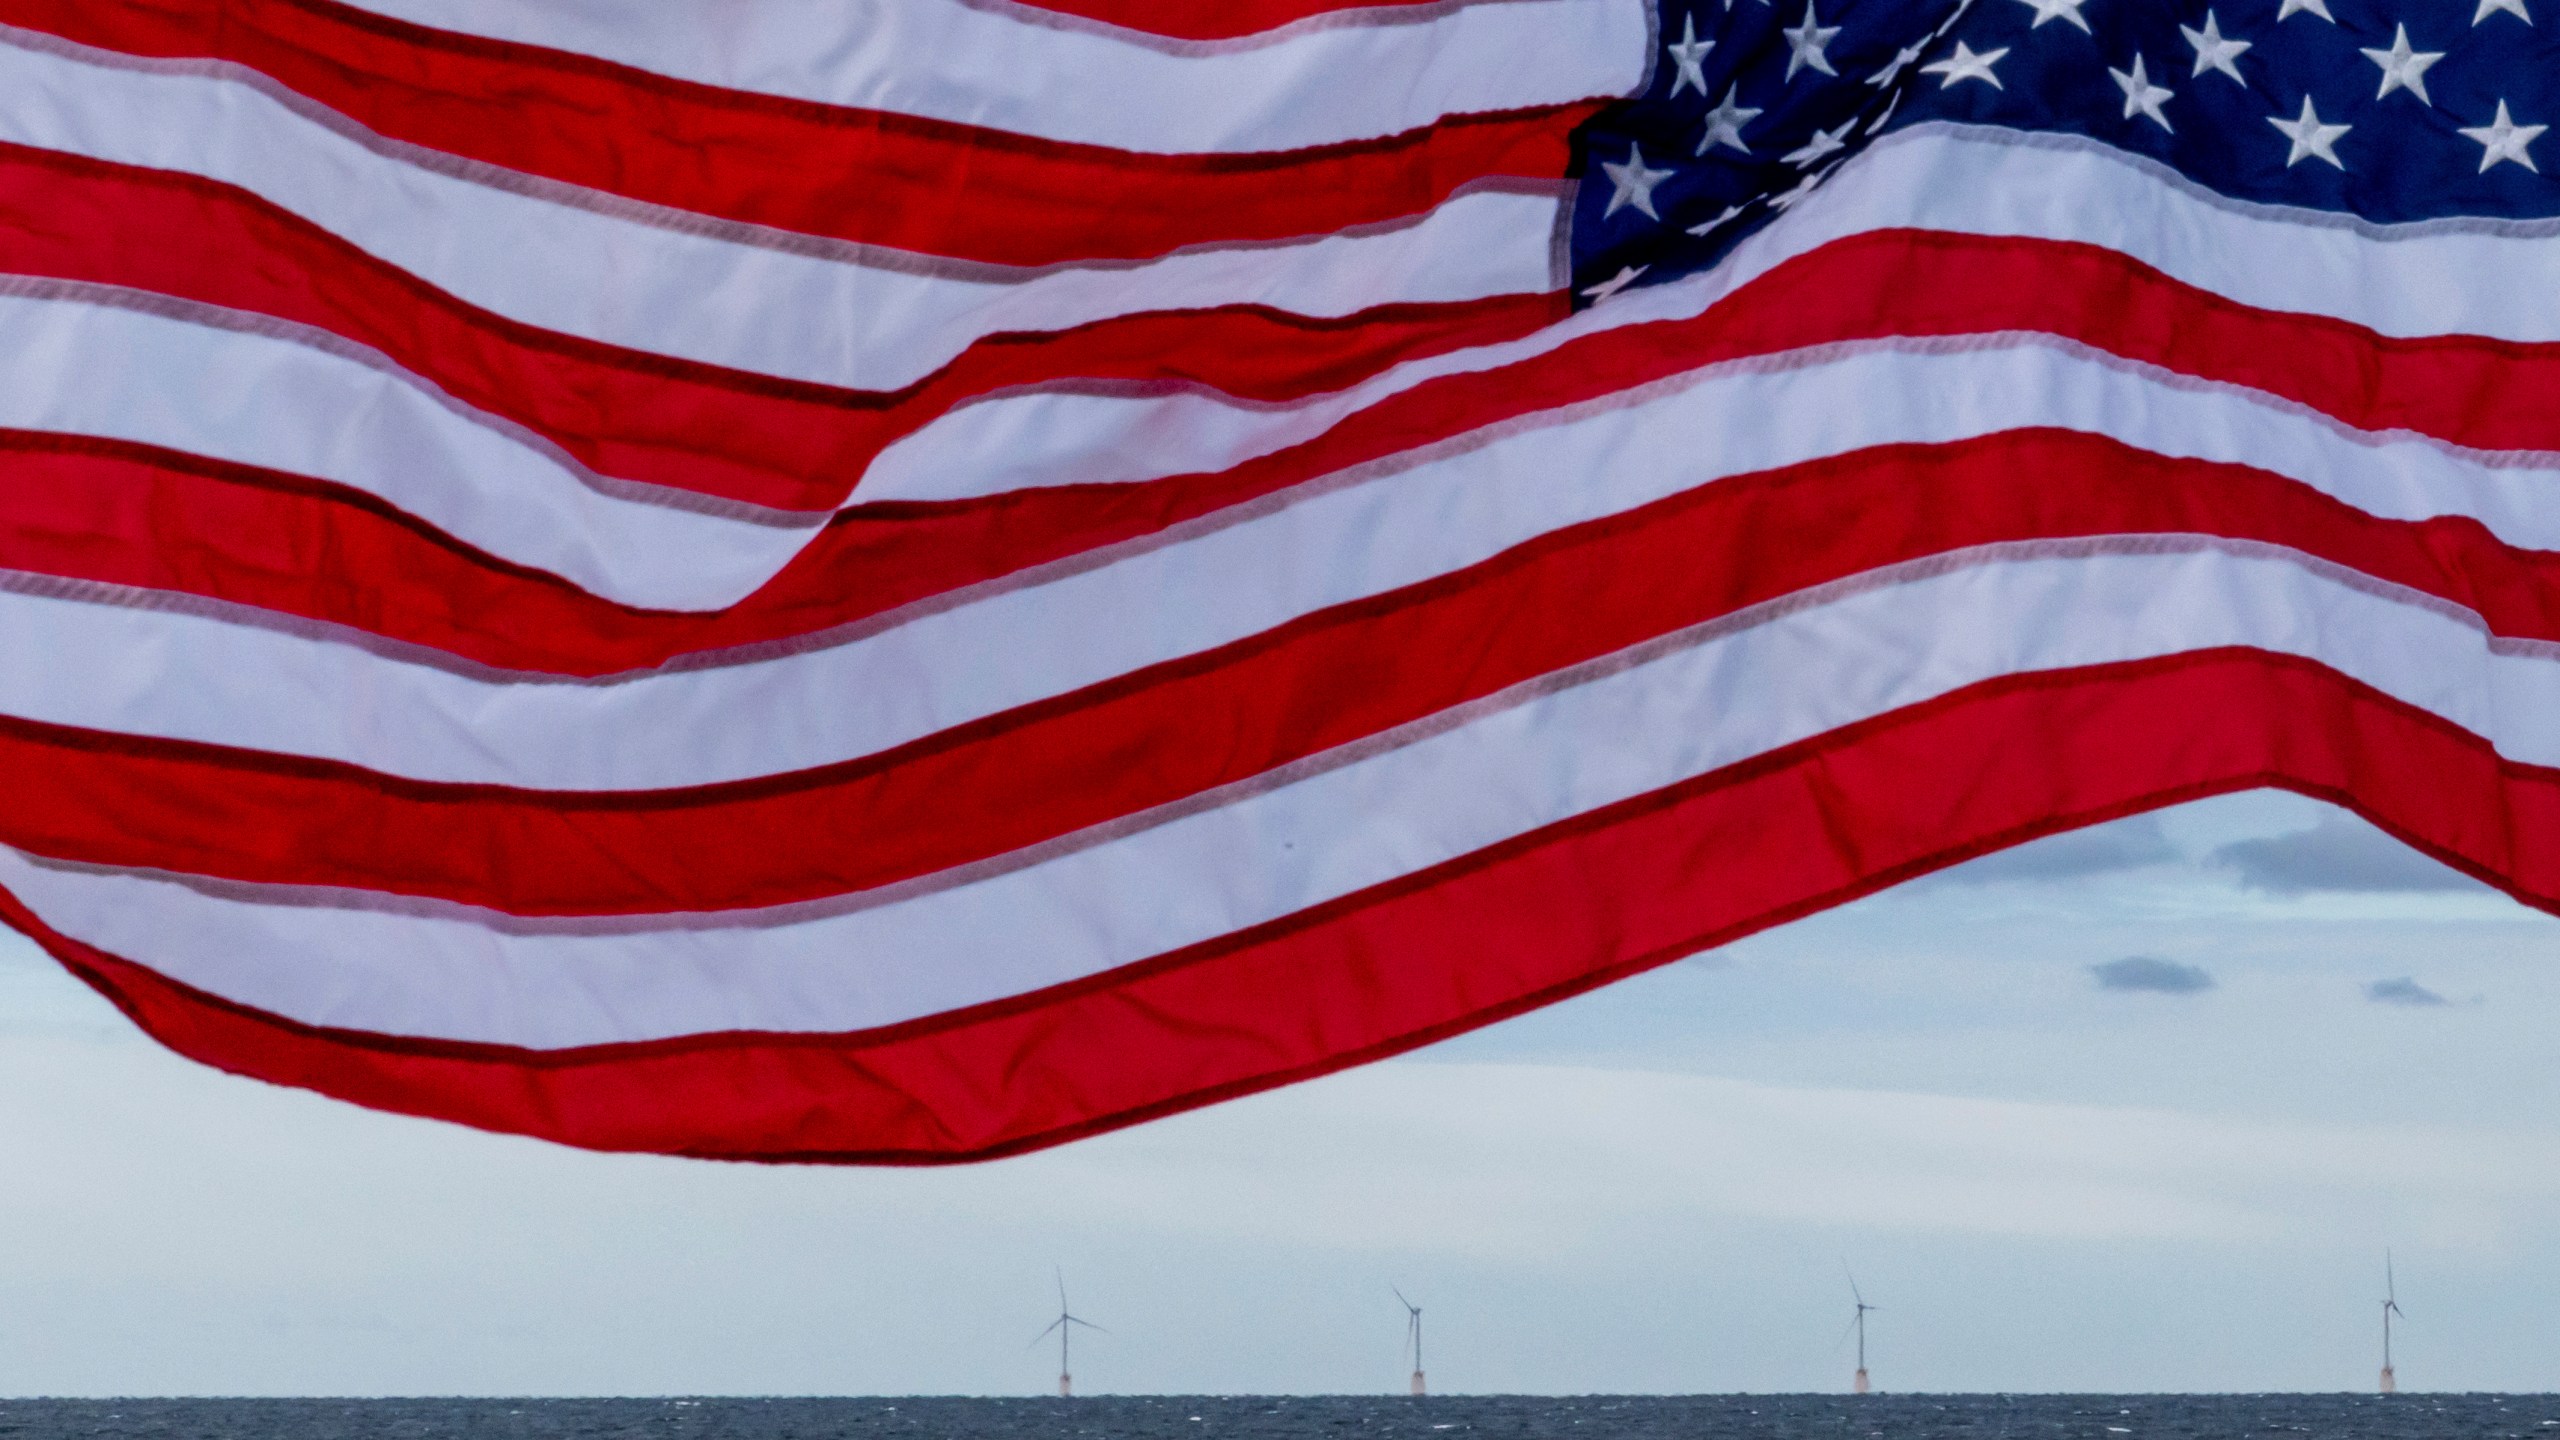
[(1334, 1417)]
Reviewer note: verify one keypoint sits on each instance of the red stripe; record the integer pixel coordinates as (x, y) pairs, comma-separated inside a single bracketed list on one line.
[(1176, 730), (209, 531), (1230, 19), (1496, 933), (870, 176), (646, 417)]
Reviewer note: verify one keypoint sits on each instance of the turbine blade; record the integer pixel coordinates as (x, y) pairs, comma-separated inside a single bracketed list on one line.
[(1062, 1287), (1409, 1305), (1043, 1335)]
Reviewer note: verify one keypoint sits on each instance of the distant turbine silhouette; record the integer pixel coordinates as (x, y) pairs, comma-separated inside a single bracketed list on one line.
[(1065, 1326), (2390, 1307), (1412, 1336), (1858, 1385)]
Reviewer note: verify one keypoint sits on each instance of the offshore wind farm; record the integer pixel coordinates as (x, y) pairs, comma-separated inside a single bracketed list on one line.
[(1861, 1386)]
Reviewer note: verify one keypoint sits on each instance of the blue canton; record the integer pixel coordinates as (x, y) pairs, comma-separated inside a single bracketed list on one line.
[(2391, 112)]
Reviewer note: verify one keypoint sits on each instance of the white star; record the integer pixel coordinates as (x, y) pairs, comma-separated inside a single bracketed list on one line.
[(1876, 126), (2309, 136), (2057, 10), (2402, 67), (1731, 213), (1635, 184), (1824, 142), (1806, 41), (2316, 7), (1690, 55), (1966, 65), (1625, 277), (2491, 7), (2504, 139), (1725, 122), (2141, 97), (2214, 52), (1893, 67)]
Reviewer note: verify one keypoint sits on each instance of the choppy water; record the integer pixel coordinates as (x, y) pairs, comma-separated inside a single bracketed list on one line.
[(1604, 1417)]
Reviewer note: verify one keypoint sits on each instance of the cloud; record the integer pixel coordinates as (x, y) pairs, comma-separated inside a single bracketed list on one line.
[(2403, 991), (2149, 973), (2339, 853), (2126, 844)]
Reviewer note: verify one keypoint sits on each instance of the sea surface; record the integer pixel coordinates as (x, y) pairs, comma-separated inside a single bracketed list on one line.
[(1336, 1417)]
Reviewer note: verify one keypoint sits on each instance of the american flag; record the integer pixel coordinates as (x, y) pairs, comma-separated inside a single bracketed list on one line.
[(906, 580)]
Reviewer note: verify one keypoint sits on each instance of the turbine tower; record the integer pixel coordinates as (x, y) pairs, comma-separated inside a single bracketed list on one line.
[(2390, 1307), (1065, 1325), (1412, 1336), (1858, 1385)]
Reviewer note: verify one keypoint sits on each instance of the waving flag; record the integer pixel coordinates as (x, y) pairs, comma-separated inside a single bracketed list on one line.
[(828, 579)]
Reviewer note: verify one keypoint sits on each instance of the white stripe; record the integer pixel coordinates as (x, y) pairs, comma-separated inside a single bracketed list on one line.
[(71, 366), (949, 60), (191, 677), (719, 300), (1499, 774), (2404, 280), (1035, 440)]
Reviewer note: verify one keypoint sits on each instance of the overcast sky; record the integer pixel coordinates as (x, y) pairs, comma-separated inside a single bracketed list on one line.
[(2138, 1109)]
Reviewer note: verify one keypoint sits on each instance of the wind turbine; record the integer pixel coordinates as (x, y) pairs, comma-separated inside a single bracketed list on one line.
[(1858, 1386), (1065, 1325), (1412, 1336), (2390, 1307)]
